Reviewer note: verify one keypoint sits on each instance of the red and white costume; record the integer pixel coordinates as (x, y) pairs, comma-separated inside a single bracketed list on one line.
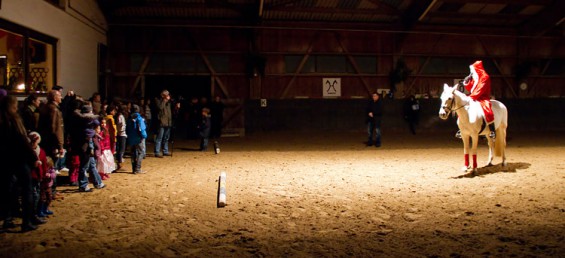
[(479, 88)]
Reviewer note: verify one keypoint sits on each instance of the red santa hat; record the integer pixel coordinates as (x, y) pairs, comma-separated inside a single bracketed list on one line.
[(477, 67)]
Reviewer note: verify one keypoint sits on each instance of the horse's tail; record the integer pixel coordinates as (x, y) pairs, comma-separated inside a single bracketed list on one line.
[(500, 141)]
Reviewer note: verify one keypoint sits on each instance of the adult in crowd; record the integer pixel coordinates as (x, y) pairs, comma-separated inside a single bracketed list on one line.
[(411, 110), (165, 122), (50, 125), (30, 112), (374, 113), (17, 159)]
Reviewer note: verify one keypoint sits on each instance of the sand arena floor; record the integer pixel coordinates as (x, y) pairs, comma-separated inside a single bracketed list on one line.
[(317, 195)]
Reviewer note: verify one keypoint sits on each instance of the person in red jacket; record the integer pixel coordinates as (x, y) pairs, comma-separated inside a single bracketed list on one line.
[(38, 172), (478, 85)]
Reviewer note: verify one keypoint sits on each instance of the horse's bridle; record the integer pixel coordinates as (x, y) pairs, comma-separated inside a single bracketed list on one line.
[(450, 108)]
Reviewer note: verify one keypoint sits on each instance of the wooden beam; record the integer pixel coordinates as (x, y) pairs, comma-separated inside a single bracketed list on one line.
[(423, 66), (213, 73), (233, 115), (261, 7), (514, 2), (546, 66), (549, 18), (498, 68), (300, 66), (386, 7), (140, 73), (353, 62), (427, 10)]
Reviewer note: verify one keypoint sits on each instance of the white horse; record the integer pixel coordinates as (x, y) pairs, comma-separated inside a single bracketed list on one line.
[(471, 123)]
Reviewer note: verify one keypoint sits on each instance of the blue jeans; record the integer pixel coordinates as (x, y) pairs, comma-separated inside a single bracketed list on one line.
[(163, 134), (143, 148), (136, 157), (88, 164), (120, 148), (60, 162), (372, 128)]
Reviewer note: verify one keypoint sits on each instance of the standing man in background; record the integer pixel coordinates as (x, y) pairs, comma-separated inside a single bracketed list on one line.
[(164, 124), (374, 114), (50, 125)]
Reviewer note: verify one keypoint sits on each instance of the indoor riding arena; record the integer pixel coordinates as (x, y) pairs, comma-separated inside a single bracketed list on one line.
[(293, 173)]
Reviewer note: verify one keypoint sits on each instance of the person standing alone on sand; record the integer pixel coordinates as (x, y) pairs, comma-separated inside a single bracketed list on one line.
[(165, 122), (374, 113)]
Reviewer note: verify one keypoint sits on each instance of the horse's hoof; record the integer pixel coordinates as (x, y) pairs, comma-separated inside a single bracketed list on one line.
[(489, 165), (464, 168), (504, 164)]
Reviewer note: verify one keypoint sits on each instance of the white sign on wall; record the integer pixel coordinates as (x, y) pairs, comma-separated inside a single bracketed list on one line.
[(331, 87)]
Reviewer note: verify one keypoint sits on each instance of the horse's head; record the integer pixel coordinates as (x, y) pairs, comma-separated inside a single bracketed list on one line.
[(447, 101)]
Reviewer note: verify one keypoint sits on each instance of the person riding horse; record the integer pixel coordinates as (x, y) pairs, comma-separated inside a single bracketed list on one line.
[(478, 85)]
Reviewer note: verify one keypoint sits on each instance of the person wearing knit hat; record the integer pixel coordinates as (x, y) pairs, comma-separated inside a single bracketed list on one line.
[(87, 157), (37, 174)]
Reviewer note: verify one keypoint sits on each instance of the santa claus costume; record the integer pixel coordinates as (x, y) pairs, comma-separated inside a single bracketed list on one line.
[(478, 85)]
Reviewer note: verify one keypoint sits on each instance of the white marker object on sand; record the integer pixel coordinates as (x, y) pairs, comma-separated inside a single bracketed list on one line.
[(222, 190)]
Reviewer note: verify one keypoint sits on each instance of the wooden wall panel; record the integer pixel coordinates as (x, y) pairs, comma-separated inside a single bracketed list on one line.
[(274, 44)]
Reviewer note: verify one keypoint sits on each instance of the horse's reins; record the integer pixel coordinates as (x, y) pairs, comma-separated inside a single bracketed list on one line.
[(451, 109)]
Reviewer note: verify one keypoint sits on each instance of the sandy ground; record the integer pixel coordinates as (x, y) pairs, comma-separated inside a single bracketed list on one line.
[(317, 195)]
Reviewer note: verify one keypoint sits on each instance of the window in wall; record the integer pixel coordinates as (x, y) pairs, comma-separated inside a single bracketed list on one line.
[(328, 64), (27, 61), (454, 66)]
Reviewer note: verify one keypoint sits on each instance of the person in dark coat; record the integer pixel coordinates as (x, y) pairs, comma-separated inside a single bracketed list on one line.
[(136, 131), (17, 158), (165, 122), (50, 125), (204, 129), (411, 110), (374, 113), (30, 112)]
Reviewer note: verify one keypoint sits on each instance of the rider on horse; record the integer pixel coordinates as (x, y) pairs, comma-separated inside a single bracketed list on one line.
[(478, 84)]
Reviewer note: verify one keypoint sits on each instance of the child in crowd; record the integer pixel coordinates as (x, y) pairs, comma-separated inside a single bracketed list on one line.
[(111, 127), (121, 134), (37, 172), (46, 185), (88, 159), (204, 129), (136, 132), (105, 161)]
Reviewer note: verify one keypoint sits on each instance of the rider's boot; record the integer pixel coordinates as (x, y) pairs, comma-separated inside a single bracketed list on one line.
[(492, 131), (458, 134)]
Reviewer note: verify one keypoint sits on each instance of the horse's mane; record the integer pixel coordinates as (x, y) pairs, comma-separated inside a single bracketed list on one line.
[(462, 95)]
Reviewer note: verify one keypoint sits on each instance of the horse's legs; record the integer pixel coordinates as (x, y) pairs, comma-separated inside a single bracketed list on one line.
[(474, 143), (502, 142), (465, 139), (490, 150)]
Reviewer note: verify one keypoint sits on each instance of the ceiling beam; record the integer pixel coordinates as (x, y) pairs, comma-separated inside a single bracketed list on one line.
[(550, 17), (415, 11), (513, 2), (326, 10), (482, 16), (386, 7)]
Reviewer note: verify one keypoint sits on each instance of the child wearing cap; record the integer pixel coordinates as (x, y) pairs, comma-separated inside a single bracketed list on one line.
[(37, 172)]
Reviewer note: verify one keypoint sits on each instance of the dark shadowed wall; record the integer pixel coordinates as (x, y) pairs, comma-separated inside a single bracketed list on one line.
[(349, 115)]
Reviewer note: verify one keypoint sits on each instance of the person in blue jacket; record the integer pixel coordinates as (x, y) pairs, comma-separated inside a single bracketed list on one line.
[(136, 132)]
